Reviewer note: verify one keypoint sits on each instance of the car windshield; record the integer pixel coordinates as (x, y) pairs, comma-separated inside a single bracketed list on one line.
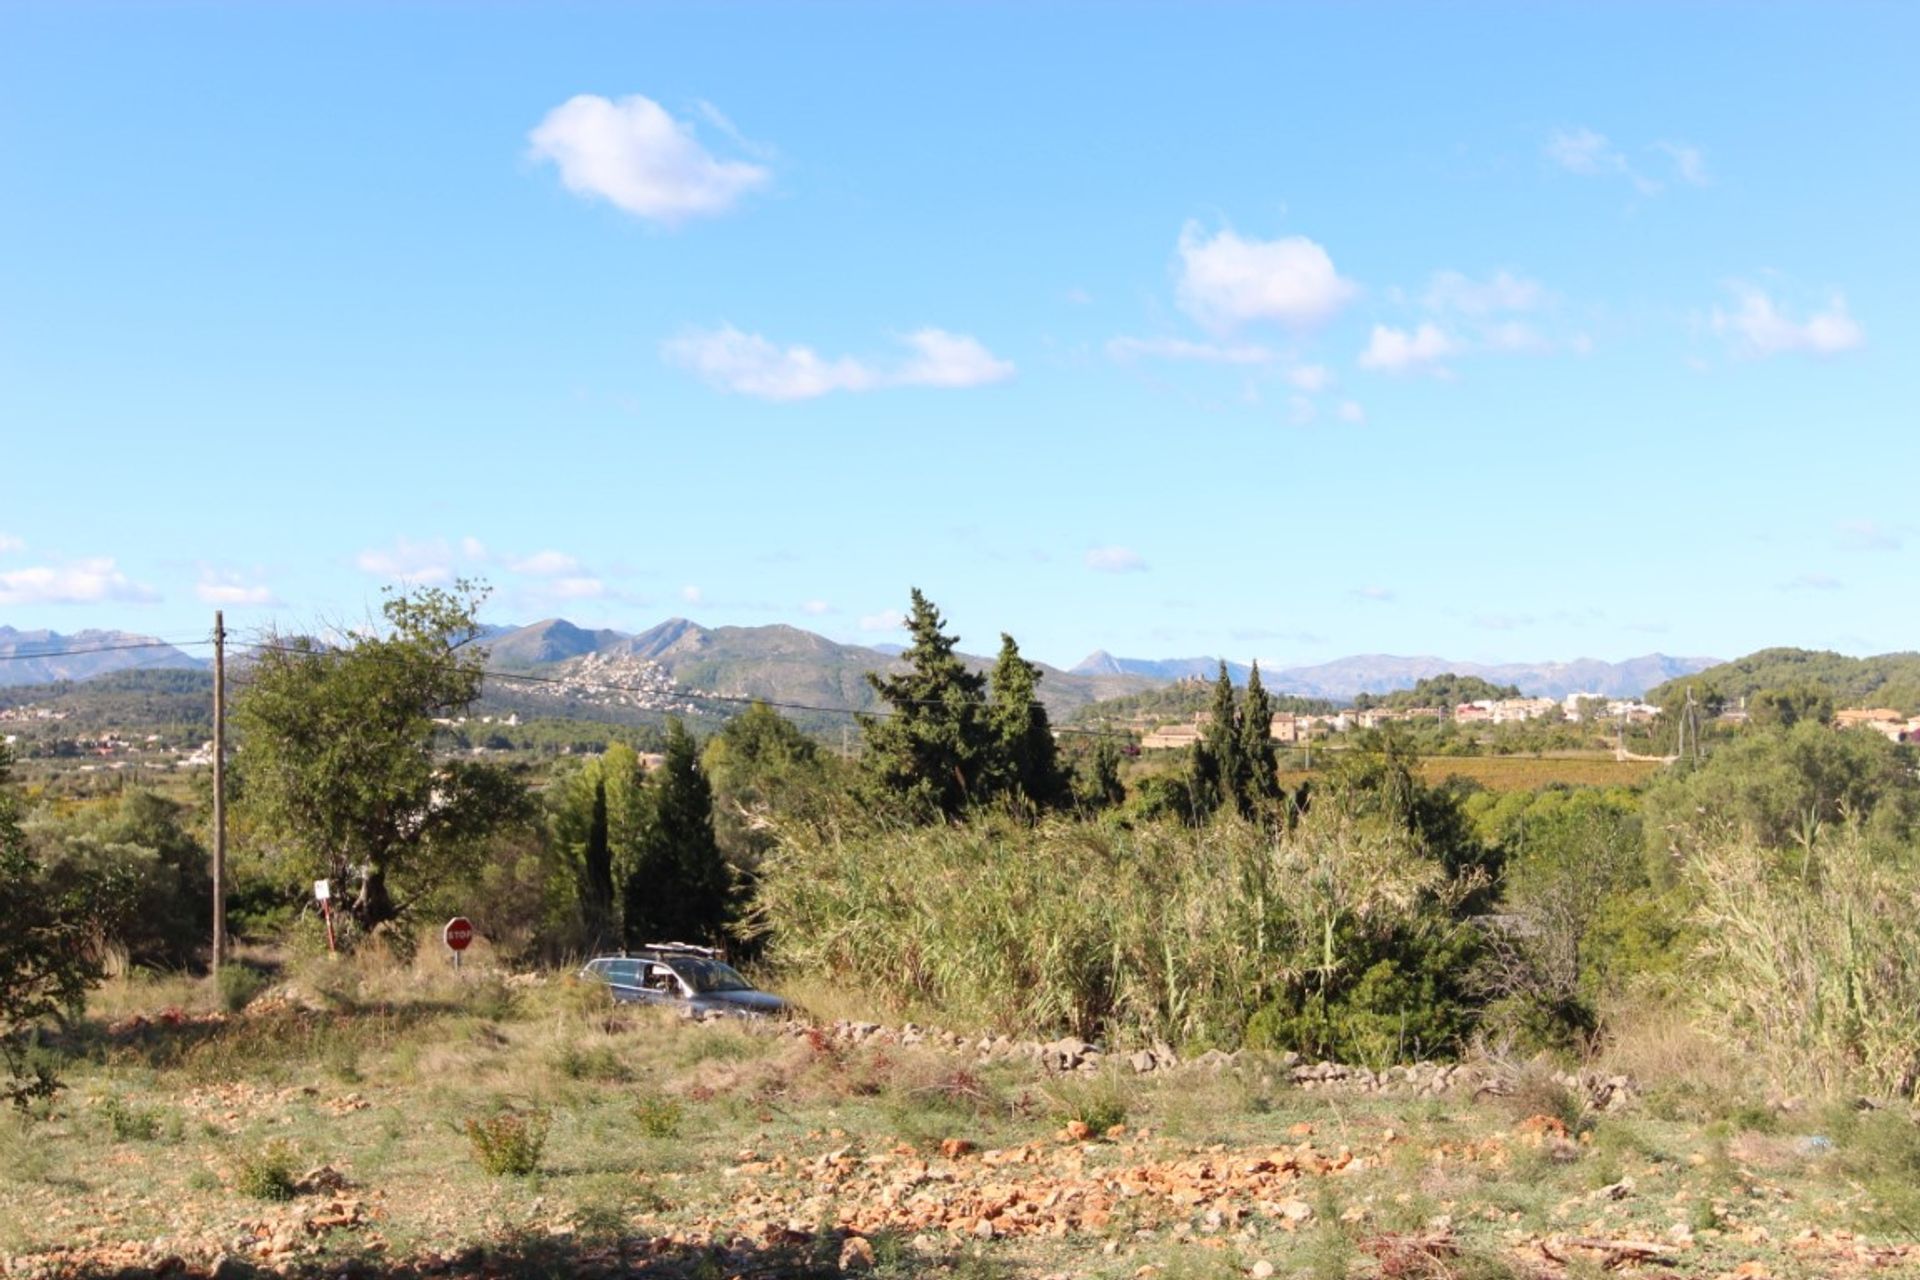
[(703, 977)]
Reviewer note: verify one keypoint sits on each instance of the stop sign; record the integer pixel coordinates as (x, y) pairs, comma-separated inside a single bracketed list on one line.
[(458, 933)]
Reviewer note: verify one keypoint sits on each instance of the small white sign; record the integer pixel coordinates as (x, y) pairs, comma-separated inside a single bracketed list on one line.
[(322, 891)]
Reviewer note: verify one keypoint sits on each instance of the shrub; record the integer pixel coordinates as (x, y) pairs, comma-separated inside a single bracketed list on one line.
[(129, 1123), (508, 1142), (1100, 1102), (266, 1173), (993, 923), (238, 985), (1812, 963), (659, 1117)]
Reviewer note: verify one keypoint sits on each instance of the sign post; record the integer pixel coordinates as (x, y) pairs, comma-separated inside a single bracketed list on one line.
[(323, 893), (457, 934)]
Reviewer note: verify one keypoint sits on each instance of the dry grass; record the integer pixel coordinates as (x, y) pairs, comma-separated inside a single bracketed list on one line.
[(662, 1128)]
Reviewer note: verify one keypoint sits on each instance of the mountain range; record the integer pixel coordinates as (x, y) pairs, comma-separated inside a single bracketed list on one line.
[(786, 664), (43, 657)]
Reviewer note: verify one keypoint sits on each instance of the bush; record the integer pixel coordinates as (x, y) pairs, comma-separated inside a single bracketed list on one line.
[(993, 923), (129, 1123), (659, 1117), (238, 985), (1812, 965), (266, 1174), (508, 1142), (1099, 1103)]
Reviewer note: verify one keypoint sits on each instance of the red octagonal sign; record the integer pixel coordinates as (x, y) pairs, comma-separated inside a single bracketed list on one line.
[(458, 933)]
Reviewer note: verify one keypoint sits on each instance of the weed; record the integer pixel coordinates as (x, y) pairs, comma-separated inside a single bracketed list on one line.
[(659, 1117), (130, 1123), (238, 985), (265, 1173), (508, 1142), (597, 1063), (1099, 1102)]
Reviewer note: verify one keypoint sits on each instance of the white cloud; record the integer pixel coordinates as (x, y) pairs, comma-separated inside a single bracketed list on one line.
[(1515, 336), (1125, 349), (1115, 560), (636, 156), (577, 587), (1226, 280), (1079, 297), (1300, 411), (1380, 594), (1585, 152), (1502, 291), (945, 359), (1400, 351), (748, 364), (228, 587), (1760, 328), (9, 543), (1350, 411), (692, 594), (425, 563), (1689, 162), (91, 581), (1502, 621), (814, 608), (1813, 582), (542, 564), (885, 620), (1309, 377), (473, 549), (1870, 535)]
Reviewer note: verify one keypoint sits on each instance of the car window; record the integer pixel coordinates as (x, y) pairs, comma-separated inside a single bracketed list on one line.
[(708, 976), (623, 973), (658, 977)]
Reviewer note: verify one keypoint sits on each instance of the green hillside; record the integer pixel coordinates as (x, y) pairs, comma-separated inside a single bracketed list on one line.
[(1887, 679)]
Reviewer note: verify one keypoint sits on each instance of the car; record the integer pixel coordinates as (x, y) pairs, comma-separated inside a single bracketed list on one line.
[(678, 975)]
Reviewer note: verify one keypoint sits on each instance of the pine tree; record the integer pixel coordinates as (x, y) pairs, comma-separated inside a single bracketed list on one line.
[(1027, 760), (935, 748), (1256, 747)]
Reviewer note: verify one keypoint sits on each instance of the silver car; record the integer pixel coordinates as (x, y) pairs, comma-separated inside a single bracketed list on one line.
[(690, 979)]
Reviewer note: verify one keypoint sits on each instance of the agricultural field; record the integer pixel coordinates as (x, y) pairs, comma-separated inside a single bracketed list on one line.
[(398, 1121), (1521, 773)]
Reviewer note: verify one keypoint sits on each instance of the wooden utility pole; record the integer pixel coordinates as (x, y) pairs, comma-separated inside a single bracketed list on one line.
[(219, 789)]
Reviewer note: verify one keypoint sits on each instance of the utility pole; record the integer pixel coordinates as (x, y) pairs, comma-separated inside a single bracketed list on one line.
[(219, 789)]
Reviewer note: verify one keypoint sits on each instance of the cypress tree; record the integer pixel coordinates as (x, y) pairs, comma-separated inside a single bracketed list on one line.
[(596, 890), (677, 890), (1256, 747), (1027, 763)]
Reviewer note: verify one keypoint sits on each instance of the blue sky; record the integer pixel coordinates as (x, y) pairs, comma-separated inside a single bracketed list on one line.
[(1493, 331)]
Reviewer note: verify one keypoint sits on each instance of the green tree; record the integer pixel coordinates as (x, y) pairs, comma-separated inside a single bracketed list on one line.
[(336, 758), (1218, 775), (763, 768), (142, 875), (1783, 708), (1100, 786), (677, 889), (46, 964), (1028, 758), (1256, 748), (934, 749)]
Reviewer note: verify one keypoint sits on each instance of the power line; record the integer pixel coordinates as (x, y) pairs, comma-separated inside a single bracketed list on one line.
[(687, 694), (17, 656)]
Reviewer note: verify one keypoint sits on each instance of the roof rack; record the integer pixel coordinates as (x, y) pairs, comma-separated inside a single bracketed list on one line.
[(687, 947)]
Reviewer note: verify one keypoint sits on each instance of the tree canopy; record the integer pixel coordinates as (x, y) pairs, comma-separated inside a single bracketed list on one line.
[(336, 753)]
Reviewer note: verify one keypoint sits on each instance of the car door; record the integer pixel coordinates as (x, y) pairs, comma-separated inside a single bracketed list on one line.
[(623, 978), (659, 984)]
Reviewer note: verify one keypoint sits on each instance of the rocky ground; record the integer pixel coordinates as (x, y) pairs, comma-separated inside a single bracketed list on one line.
[(337, 1140)]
